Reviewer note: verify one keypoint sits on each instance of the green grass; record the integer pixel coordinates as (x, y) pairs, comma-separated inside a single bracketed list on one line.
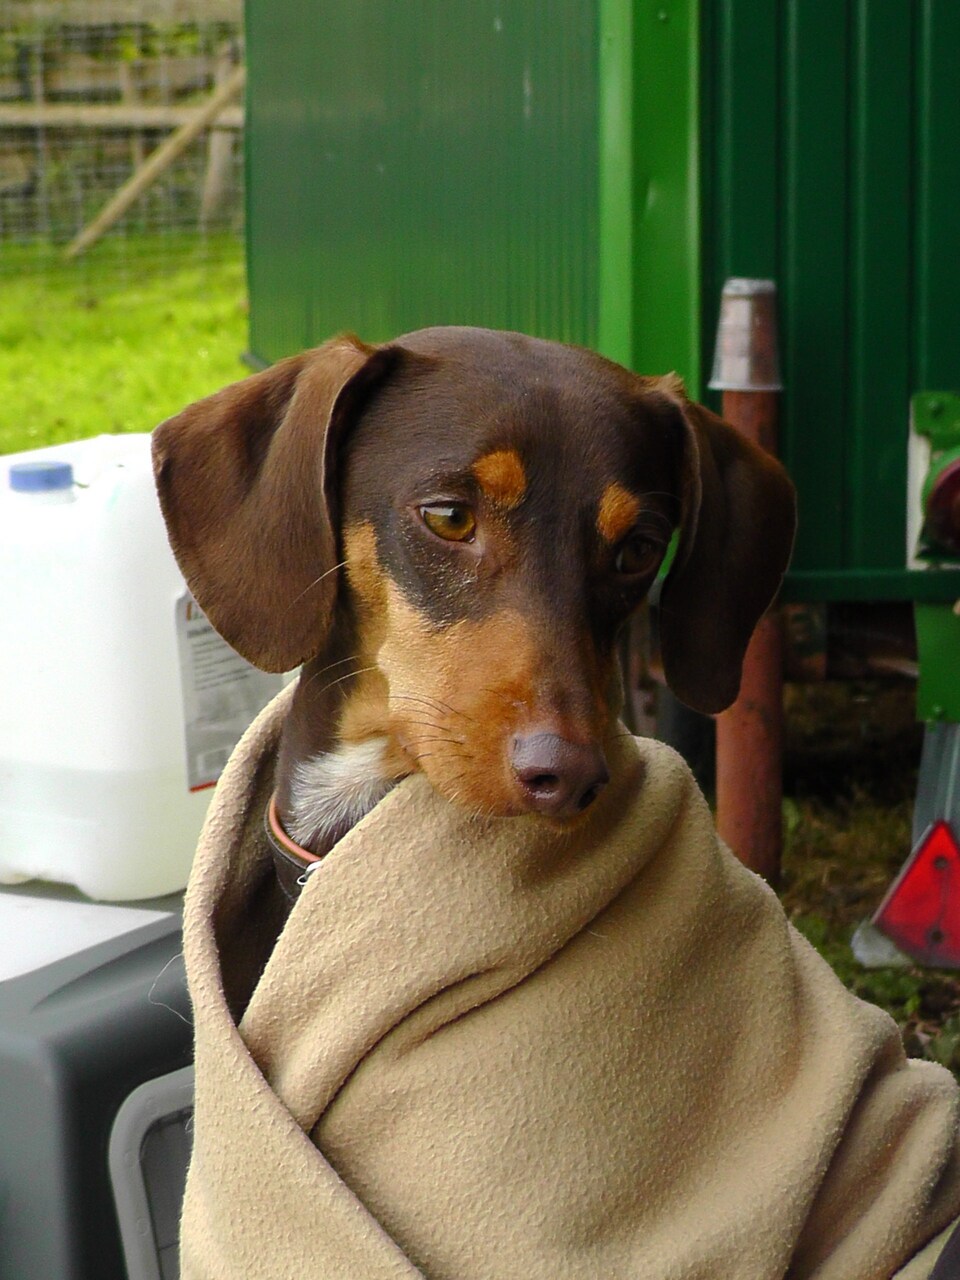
[(118, 340), (851, 772)]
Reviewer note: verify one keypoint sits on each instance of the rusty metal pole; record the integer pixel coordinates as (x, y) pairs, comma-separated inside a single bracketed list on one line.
[(750, 733)]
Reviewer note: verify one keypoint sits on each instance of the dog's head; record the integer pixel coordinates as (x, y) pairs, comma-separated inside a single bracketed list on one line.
[(473, 515)]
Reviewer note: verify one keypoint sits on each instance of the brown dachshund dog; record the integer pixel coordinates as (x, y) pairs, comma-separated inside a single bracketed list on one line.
[(449, 531)]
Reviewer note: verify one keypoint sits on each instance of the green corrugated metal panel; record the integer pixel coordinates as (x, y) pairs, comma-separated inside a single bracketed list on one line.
[(416, 162), (831, 164), (650, 186), (937, 350)]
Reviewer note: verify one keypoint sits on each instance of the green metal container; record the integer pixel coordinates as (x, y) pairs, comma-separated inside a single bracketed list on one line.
[(420, 162), (592, 170)]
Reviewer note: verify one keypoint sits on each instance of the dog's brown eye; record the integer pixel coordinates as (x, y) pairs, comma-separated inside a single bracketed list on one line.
[(637, 555), (453, 522)]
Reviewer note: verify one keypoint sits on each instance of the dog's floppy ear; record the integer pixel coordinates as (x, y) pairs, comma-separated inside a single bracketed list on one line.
[(737, 526), (245, 479)]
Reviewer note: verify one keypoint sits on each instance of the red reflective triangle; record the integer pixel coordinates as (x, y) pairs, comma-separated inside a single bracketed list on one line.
[(921, 912)]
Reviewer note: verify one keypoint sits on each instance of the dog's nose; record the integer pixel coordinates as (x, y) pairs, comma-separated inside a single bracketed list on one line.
[(559, 778)]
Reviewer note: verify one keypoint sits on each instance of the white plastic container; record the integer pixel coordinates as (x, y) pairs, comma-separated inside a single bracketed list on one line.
[(113, 721)]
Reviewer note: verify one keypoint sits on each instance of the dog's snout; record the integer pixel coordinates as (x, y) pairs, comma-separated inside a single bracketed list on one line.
[(559, 778)]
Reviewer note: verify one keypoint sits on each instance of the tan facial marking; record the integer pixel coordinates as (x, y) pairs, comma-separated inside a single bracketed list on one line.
[(366, 577), (454, 695), (366, 714), (501, 477), (365, 711), (617, 513), (448, 699)]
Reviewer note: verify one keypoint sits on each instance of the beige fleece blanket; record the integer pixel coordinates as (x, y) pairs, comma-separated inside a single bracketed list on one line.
[(484, 1050)]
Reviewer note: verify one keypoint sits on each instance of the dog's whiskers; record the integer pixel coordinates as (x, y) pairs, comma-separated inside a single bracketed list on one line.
[(657, 493), (443, 737), (442, 755), (354, 657), (315, 583), (455, 794), (434, 703), (505, 697), (330, 667), (349, 676)]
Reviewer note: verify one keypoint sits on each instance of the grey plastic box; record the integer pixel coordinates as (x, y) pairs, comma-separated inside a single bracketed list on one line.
[(81, 1038), (150, 1145)]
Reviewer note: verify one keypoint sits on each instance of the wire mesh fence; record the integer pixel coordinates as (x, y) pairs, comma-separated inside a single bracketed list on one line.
[(90, 90), (121, 213)]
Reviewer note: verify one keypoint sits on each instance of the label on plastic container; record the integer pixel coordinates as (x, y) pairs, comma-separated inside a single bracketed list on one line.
[(222, 693)]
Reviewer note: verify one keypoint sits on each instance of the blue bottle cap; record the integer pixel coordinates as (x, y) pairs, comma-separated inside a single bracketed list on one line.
[(40, 477)]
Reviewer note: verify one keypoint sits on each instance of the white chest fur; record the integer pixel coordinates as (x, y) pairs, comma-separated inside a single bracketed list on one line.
[(330, 793)]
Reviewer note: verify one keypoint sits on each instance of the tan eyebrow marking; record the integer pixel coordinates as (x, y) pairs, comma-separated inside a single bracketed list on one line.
[(617, 513), (501, 476)]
